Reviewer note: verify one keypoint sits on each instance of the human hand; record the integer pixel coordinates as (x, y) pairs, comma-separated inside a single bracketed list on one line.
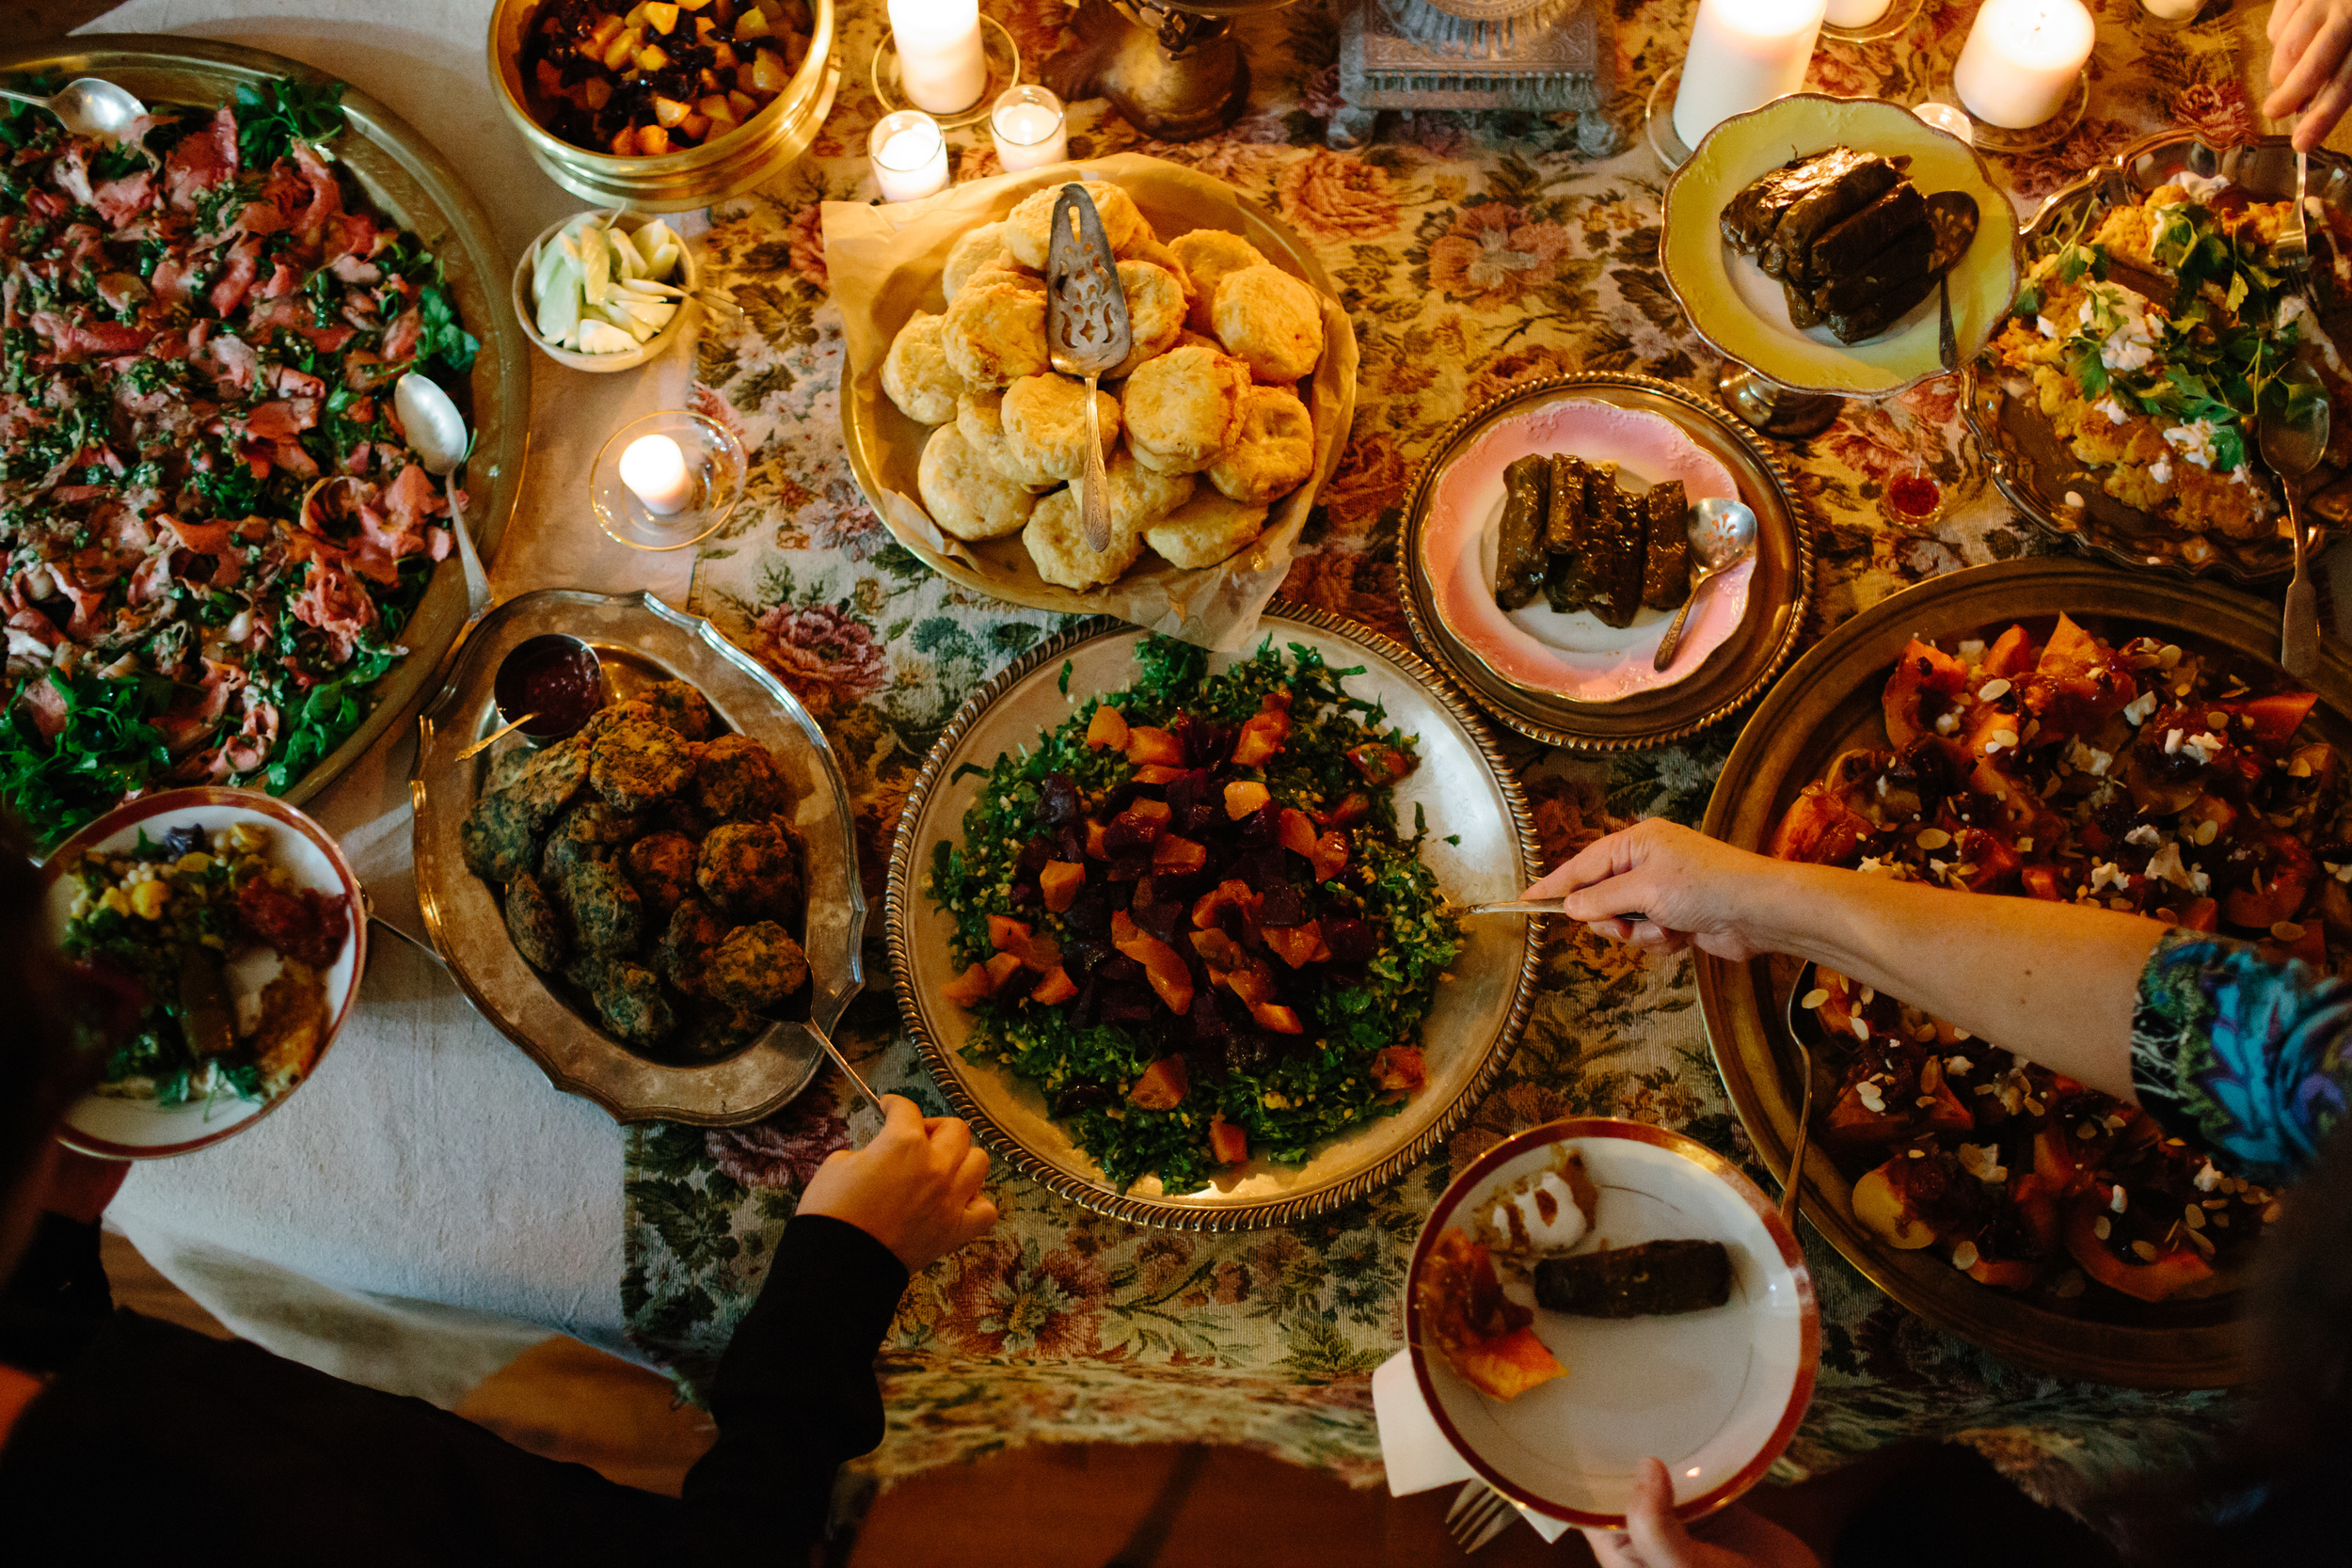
[(915, 1188), (1694, 889), (1653, 1538), (2310, 66)]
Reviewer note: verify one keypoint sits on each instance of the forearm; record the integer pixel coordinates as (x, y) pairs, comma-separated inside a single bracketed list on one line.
[(2055, 983)]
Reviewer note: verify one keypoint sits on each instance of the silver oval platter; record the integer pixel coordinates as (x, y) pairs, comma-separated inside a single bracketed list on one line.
[(1461, 785), (641, 641)]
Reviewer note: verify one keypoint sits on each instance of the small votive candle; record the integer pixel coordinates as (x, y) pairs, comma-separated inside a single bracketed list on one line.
[(910, 155), (2172, 10), (1743, 54), (2022, 59), (1944, 118), (1856, 13), (1030, 127), (941, 61), (655, 470)]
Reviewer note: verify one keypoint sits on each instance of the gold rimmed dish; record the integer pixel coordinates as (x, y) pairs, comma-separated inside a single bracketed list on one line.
[(1831, 701), (1707, 682), (1466, 790)]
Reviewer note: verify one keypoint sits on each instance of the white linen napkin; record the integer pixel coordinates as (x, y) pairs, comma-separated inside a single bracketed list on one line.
[(1414, 1449)]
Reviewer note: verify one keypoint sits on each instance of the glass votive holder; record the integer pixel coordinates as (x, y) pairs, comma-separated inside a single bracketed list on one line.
[(1030, 127), (687, 506), (910, 155), (1944, 117)]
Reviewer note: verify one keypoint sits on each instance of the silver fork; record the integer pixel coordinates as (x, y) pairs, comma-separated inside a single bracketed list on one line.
[(2292, 251), (1478, 1515)]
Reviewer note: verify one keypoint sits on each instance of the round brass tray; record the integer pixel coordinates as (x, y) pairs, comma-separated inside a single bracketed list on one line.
[(1212, 605), (640, 641), (1732, 675), (1830, 701), (1465, 788), (2035, 470), (410, 182)]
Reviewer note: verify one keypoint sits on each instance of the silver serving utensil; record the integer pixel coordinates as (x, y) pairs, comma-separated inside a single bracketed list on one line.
[(1478, 1515), (843, 1063), (2292, 448), (88, 107), (1530, 906), (2292, 251), (1792, 1180), (437, 432), (1086, 330), (1946, 339), (494, 736), (1723, 533)]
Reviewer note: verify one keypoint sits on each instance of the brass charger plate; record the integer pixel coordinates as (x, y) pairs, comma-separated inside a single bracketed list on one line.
[(2035, 470), (1734, 675), (1831, 701), (1741, 313), (640, 641), (1462, 784), (412, 183)]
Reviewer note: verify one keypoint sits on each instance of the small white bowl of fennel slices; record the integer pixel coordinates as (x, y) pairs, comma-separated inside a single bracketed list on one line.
[(1593, 1292), (604, 291)]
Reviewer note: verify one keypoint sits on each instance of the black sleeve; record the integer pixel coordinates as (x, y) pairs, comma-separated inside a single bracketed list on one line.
[(795, 1395), (60, 1282)]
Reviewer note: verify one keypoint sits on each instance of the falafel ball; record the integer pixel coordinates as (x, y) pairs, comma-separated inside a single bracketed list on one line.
[(499, 839), (748, 869), (709, 1030), (757, 966), (662, 866), (628, 998), (635, 764), (694, 933), (535, 923), (736, 780), (680, 707), (551, 780), (607, 915), (589, 830)]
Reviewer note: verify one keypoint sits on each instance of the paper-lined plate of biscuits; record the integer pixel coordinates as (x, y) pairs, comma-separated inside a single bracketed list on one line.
[(1218, 428)]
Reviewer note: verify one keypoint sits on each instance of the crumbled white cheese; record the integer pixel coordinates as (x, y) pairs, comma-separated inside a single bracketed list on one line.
[(2136, 712), (2194, 440), (1955, 1067), (2145, 834), (2171, 743), (2161, 471), (1983, 1162), (2165, 865), (2132, 346), (2088, 758), (2047, 327), (1946, 722), (2294, 311), (2206, 1178), (2203, 746), (2200, 187), (2112, 409), (2107, 872)]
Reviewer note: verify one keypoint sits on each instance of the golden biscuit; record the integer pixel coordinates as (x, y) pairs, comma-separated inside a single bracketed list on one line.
[(978, 248), (1000, 272), (1184, 408), (1045, 424), (1270, 320), (996, 335), (965, 494), (980, 415), (915, 373), (1139, 496), (1275, 452), (1207, 255), (1156, 314), (1056, 538), (1028, 229), (1206, 529)]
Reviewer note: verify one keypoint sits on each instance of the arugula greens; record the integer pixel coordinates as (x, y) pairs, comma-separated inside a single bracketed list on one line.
[(109, 747), (272, 117)]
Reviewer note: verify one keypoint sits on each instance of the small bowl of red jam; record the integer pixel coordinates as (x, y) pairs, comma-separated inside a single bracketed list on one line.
[(552, 682), (1912, 500)]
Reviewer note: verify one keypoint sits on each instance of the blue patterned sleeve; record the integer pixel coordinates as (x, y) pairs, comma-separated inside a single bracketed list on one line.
[(2242, 1056)]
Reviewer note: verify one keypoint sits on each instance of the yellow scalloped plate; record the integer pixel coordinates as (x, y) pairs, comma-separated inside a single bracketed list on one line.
[(1740, 313)]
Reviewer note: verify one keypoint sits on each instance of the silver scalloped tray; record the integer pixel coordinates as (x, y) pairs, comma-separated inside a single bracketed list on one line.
[(641, 641), (1465, 788)]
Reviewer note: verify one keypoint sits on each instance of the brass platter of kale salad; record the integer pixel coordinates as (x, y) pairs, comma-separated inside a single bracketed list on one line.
[(214, 528), (1190, 916)]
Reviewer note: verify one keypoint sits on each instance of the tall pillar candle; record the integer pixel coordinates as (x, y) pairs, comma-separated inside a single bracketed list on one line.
[(2020, 60), (1743, 54), (1857, 13), (941, 62)]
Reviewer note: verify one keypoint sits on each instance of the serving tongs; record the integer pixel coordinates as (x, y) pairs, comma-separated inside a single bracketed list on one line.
[(1086, 330)]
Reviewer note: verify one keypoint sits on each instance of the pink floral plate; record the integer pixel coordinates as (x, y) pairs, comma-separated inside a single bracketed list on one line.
[(1573, 655)]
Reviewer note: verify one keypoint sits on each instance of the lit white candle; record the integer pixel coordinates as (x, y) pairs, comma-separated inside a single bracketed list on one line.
[(1944, 118), (1856, 13), (2172, 10), (2020, 60), (941, 61), (910, 155), (1743, 54), (1030, 127), (655, 472)]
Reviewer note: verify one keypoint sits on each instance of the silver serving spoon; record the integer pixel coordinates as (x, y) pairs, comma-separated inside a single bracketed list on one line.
[(1531, 905), (88, 107), (437, 432), (1086, 330), (1792, 1180), (1723, 534), (2292, 448), (494, 737), (843, 1063)]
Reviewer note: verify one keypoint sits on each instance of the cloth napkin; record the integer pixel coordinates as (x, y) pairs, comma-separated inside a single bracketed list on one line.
[(1415, 1450)]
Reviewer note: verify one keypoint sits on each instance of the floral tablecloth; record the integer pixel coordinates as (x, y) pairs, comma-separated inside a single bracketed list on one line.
[(1470, 253)]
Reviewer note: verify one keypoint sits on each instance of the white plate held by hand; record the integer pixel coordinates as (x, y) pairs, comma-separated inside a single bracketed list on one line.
[(1716, 1393)]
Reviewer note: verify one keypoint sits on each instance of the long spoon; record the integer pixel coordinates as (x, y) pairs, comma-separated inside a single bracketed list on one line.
[(88, 107), (2292, 448), (437, 432), (1723, 533), (1792, 1181)]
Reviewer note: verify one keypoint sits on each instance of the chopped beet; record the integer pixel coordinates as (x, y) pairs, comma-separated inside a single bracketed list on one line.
[(187, 839), (1160, 918), (1350, 939), (1193, 805), (1129, 834), (1207, 1022), (1023, 894), (1084, 1096), (1120, 969), (1262, 826), (1129, 1005), (1091, 911), (1207, 743), (1033, 857), (1058, 802), (1281, 905), (1264, 868)]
